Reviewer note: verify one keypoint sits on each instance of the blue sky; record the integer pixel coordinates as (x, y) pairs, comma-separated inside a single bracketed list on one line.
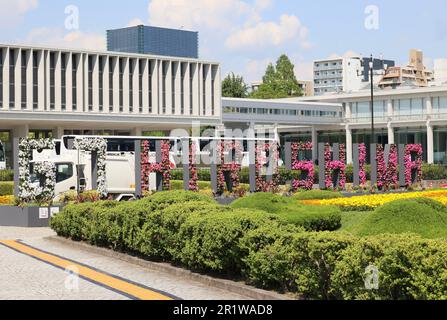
[(244, 35)]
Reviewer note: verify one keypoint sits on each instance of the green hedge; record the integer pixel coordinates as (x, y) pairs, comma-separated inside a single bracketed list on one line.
[(425, 217), (6, 175), (430, 172), (317, 195), (193, 231), (312, 218), (6, 188)]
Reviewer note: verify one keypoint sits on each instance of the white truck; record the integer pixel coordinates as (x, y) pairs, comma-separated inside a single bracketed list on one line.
[(2, 157)]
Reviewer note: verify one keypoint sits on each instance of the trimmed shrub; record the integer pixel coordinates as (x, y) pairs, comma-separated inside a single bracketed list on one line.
[(434, 172), (425, 217), (268, 202), (271, 268), (6, 188), (312, 218), (7, 175), (317, 195), (409, 268), (211, 242)]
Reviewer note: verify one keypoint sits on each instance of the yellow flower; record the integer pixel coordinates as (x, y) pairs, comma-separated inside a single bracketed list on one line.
[(377, 200)]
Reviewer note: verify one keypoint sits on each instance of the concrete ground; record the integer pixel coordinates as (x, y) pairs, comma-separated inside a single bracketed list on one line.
[(23, 277)]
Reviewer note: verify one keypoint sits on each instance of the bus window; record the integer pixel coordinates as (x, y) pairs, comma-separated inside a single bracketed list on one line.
[(64, 171), (58, 148)]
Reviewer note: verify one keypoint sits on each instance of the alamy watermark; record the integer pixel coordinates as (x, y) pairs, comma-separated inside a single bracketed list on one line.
[(72, 280), (372, 20), (72, 18), (372, 278)]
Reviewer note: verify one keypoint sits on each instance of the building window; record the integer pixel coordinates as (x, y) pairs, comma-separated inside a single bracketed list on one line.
[(164, 72), (150, 85), (35, 80), (23, 74), (173, 86), (12, 79), (111, 84), (213, 82), (90, 83), (63, 82), (191, 89), (131, 73), (52, 80), (182, 88), (204, 90), (74, 79), (140, 85), (1, 78), (101, 84), (121, 79)]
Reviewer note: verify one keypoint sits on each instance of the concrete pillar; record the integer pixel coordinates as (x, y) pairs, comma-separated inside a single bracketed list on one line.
[(58, 132), (391, 139), (349, 152), (315, 144), (21, 131), (390, 108), (137, 132), (428, 106), (430, 144)]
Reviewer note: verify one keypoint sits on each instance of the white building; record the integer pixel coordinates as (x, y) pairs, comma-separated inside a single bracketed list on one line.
[(402, 116), (337, 75), (440, 71), (52, 91)]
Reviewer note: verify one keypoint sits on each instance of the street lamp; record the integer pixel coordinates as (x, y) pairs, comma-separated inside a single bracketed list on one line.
[(371, 69)]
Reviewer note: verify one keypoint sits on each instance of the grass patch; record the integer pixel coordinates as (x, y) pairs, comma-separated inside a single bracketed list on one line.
[(424, 217), (312, 218), (351, 221)]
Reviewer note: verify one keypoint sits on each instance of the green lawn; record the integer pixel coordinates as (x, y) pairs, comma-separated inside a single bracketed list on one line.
[(352, 220)]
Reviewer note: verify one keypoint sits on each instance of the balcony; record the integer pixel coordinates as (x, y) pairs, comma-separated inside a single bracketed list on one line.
[(409, 117)]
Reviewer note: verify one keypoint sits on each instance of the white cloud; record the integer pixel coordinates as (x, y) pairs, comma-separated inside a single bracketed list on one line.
[(267, 34), (13, 11), (254, 69), (135, 22), (58, 38), (206, 14), (347, 54)]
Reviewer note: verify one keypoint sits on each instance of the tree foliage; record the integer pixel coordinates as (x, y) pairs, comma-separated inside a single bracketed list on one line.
[(233, 86), (279, 81)]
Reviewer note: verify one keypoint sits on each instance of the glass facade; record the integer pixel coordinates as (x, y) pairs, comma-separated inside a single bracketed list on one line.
[(154, 40), (440, 145)]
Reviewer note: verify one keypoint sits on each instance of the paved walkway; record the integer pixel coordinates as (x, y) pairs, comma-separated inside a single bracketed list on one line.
[(24, 276)]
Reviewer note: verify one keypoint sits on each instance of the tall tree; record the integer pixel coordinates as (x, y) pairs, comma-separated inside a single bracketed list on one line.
[(279, 81), (233, 86)]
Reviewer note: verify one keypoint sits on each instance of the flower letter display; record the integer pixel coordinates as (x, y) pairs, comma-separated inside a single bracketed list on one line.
[(305, 166), (162, 167), (98, 149), (413, 169), (193, 174), (267, 157), (228, 166), (360, 179), (46, 171), (385, 167), (332, 166)]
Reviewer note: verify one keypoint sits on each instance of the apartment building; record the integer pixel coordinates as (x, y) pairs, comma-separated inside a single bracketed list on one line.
[(414, 74)]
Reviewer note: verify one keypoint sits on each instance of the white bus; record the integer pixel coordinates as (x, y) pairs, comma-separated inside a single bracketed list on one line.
[(2, 157)]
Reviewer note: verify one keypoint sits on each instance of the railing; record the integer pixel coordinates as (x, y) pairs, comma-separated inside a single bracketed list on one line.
[(409, 117)]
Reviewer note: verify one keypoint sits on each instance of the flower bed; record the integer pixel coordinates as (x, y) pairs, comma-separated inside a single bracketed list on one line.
[(370, 202), (6, 200)]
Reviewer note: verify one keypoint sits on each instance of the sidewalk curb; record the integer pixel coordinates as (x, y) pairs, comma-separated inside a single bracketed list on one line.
[(227, 285)]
